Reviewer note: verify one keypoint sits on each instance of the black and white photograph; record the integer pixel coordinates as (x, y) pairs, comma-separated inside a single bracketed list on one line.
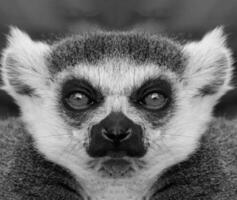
[(118, 100)]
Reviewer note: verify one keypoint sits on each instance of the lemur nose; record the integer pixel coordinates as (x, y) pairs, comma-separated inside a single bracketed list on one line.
[(116, 128), (116, 135)]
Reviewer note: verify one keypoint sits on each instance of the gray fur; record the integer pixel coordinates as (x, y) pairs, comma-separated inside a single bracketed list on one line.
[(94, 48), (209, 174), (25, 174)]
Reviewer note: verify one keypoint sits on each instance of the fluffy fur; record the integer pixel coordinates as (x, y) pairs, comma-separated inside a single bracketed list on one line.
[(25, 174), (209, 174), (198, 73)]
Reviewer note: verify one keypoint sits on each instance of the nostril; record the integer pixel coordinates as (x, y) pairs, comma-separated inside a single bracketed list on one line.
[(116, 136), (127, 134), (106, 135)]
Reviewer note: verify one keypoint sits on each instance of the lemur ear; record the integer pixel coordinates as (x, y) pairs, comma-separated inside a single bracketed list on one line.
[(23, 63), (209, 64)]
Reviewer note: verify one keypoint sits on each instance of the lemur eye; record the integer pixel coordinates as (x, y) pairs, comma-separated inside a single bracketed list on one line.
[(78, 101), (154, 101)]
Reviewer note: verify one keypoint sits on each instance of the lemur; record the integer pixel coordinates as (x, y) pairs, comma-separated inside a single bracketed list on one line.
[(117, 115)]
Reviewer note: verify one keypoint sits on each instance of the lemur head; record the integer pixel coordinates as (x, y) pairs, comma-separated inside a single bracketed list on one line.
[(114, 106)]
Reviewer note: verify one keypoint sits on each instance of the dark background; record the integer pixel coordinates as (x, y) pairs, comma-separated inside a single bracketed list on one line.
[(182, 19)]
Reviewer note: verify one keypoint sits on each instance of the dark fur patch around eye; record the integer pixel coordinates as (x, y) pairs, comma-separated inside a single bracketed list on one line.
[(158, 84), (137, 47), (155, 117), (75, 84), (73, 117)]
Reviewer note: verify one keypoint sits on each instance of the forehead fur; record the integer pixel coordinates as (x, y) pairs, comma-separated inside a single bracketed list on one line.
[(136, 47), (117, 76)]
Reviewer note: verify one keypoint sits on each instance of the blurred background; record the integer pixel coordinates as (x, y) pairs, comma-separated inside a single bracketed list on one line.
[(182, 19)]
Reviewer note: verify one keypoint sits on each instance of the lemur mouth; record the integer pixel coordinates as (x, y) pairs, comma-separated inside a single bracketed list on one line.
[(116, 168), (120, 167)]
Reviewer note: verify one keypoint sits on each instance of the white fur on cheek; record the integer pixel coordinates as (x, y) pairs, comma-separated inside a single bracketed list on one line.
[(179, 138)]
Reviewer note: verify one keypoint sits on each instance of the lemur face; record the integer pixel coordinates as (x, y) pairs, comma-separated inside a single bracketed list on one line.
[(116, 107)]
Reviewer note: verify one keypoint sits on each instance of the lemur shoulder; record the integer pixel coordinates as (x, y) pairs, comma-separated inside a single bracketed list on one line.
[(117, 116)]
